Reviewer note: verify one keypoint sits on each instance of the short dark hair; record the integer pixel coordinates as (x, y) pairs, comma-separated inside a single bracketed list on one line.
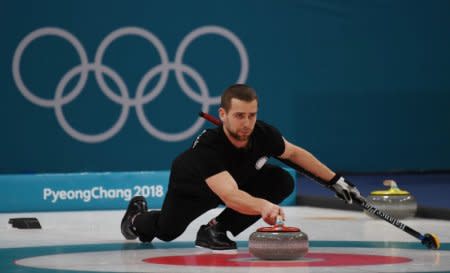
[(238, 91)]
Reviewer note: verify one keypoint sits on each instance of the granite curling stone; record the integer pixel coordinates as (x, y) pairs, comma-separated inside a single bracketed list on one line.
[(394, 201), (278, 243)]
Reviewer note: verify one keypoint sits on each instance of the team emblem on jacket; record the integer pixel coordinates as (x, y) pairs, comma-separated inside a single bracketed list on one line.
[(260, 162)]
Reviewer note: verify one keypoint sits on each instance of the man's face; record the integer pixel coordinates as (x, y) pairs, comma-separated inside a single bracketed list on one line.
[(240, 119)]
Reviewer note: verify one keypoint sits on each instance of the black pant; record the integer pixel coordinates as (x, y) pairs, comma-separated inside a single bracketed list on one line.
[(181, 208)]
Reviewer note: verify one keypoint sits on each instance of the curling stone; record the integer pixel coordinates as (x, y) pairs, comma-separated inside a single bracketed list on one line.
[(394, 201), (278, 242)]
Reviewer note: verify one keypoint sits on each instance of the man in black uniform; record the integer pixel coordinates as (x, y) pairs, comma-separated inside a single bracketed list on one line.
[(227, 165)]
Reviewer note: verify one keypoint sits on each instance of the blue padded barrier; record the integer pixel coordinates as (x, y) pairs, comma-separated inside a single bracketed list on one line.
[(86, 191)]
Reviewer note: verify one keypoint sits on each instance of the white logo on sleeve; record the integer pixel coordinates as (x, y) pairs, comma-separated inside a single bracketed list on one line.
[(260, 162)]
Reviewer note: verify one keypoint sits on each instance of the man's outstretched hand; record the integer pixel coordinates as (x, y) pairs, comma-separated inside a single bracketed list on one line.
[(344, 189)]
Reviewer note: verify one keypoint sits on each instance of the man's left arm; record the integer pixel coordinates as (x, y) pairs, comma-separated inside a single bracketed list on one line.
[(305, 160)]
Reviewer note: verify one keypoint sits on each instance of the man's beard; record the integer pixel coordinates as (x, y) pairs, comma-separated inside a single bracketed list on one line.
[(238, 137)]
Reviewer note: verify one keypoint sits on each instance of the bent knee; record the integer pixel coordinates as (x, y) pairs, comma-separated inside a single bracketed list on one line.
[(280, 183), (284, 182)]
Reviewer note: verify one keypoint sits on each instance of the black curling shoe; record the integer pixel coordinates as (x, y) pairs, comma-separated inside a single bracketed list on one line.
[(137, 205), (213, 237)]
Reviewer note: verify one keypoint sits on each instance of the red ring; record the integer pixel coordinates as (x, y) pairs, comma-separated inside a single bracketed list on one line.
[(247, 260)]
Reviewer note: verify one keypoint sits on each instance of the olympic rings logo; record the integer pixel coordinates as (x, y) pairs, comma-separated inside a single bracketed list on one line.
[(140, 99)]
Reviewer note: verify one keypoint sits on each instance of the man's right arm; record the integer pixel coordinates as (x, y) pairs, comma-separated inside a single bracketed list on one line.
[(224, 186)]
